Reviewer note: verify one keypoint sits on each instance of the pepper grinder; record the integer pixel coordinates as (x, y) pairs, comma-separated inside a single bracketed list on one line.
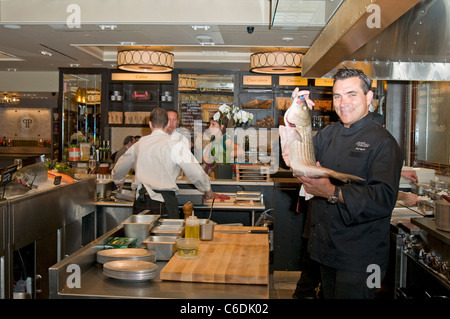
[(187, 209)]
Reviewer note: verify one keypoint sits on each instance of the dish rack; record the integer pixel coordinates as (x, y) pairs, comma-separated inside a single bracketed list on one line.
[(252, 172)]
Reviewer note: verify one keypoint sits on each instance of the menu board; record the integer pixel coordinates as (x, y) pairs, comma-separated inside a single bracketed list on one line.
[(433, 122), (190, 111)]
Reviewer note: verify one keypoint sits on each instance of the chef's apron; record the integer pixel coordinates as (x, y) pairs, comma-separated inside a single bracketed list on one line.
[(166, 209)]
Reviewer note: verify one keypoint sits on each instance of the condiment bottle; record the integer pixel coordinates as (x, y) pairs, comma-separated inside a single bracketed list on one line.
[(187, 209), (192, 229)]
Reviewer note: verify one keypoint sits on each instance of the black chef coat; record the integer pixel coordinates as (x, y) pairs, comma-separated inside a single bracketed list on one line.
[(354, 235)]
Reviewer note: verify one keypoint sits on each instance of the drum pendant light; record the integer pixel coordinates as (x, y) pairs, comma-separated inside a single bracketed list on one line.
[(145, 60), (278, 62)]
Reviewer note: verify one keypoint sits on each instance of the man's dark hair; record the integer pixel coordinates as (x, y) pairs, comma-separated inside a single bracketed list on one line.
[(159, 118), (345, 73), (127, 140)]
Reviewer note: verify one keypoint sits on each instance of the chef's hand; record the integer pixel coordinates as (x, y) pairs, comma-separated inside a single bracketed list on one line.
[(411, 175), (209, 194), (317, 186), (409, 199)]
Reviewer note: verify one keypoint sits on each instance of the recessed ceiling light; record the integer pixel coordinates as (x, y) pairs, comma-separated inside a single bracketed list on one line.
[(111, 27), (287, 39), (201, 27), (74, 65), (205, 40), (46, 53)]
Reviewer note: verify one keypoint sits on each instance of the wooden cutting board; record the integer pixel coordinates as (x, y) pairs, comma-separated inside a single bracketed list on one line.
[(227, 202), (228, 258)]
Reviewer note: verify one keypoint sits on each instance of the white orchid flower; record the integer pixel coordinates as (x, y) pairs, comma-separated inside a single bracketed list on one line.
[(224, 109), (216, 116)]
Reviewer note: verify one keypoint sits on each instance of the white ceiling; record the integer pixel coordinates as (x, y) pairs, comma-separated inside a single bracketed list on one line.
[(167, 24)]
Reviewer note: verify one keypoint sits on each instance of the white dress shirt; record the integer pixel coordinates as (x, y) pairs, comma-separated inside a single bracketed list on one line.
[(157, 160)]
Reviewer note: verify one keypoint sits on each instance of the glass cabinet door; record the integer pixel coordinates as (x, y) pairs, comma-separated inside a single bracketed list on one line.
[(81, 103)]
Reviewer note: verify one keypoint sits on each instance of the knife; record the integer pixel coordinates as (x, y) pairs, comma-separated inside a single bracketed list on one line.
[(254, 231)]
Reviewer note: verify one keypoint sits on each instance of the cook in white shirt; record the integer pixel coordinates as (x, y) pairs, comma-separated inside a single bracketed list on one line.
[(157, 160)]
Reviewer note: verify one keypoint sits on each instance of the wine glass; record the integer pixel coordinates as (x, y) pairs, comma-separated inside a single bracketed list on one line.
[(92, 164)]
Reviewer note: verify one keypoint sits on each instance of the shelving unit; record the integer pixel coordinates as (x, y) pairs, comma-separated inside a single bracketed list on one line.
[(130, 102)]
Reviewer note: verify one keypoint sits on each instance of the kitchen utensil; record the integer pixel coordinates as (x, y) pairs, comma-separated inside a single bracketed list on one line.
[(164, 246), (171, 222), (442, 215), (419, 188), (254, 231), (138, 226), (247, 195), (125, 194), (206, 231), (210, 211), (168, 231), (446, 198)]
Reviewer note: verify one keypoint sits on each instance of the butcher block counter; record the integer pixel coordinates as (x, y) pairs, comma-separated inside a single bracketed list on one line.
[(232, 258), (231, 266)]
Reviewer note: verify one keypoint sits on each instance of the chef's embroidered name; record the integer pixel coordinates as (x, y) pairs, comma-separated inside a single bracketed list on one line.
[(361, 146)]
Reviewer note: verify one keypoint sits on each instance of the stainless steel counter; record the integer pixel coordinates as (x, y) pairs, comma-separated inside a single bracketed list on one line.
[(93, 284), (429, 226)]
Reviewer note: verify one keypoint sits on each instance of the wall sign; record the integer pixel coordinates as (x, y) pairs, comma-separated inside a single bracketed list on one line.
[(265, 80), (25, 123), (141, 77), (292, 81)]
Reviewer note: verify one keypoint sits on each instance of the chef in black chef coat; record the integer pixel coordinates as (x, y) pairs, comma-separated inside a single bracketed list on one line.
[(350, 222)]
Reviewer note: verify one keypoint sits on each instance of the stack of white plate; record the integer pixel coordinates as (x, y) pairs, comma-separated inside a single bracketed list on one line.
[(104, 256), (132, 270)]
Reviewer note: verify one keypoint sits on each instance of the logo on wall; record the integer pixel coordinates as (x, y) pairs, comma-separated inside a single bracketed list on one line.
[(27, 123)]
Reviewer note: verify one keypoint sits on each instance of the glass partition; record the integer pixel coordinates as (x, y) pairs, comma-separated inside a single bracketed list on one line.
[(432, 134), (80, 109), (200, 96)]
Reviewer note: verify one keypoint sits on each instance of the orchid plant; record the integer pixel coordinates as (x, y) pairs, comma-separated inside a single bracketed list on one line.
[(235, 115)]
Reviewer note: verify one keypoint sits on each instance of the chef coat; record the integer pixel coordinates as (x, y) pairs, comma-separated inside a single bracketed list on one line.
[(157, 160), (352, 235)]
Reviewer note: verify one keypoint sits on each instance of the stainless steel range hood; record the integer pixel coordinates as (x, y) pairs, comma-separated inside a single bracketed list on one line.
[(414, 47)]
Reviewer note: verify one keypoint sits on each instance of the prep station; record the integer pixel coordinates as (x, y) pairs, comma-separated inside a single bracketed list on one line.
[(80, 226)]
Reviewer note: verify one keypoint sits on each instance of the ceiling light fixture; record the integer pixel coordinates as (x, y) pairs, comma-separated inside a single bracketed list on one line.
[(201, 27), (104, 27), (46, 53), (278, 62), (205, 40), (145, 60), (13, 99)]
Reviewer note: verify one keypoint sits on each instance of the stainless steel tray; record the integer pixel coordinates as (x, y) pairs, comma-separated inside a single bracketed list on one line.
[(125, 194), (131, 270)]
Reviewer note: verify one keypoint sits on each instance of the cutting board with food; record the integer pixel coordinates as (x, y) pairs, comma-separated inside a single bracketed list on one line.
[(222, 199), (231, 258)]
